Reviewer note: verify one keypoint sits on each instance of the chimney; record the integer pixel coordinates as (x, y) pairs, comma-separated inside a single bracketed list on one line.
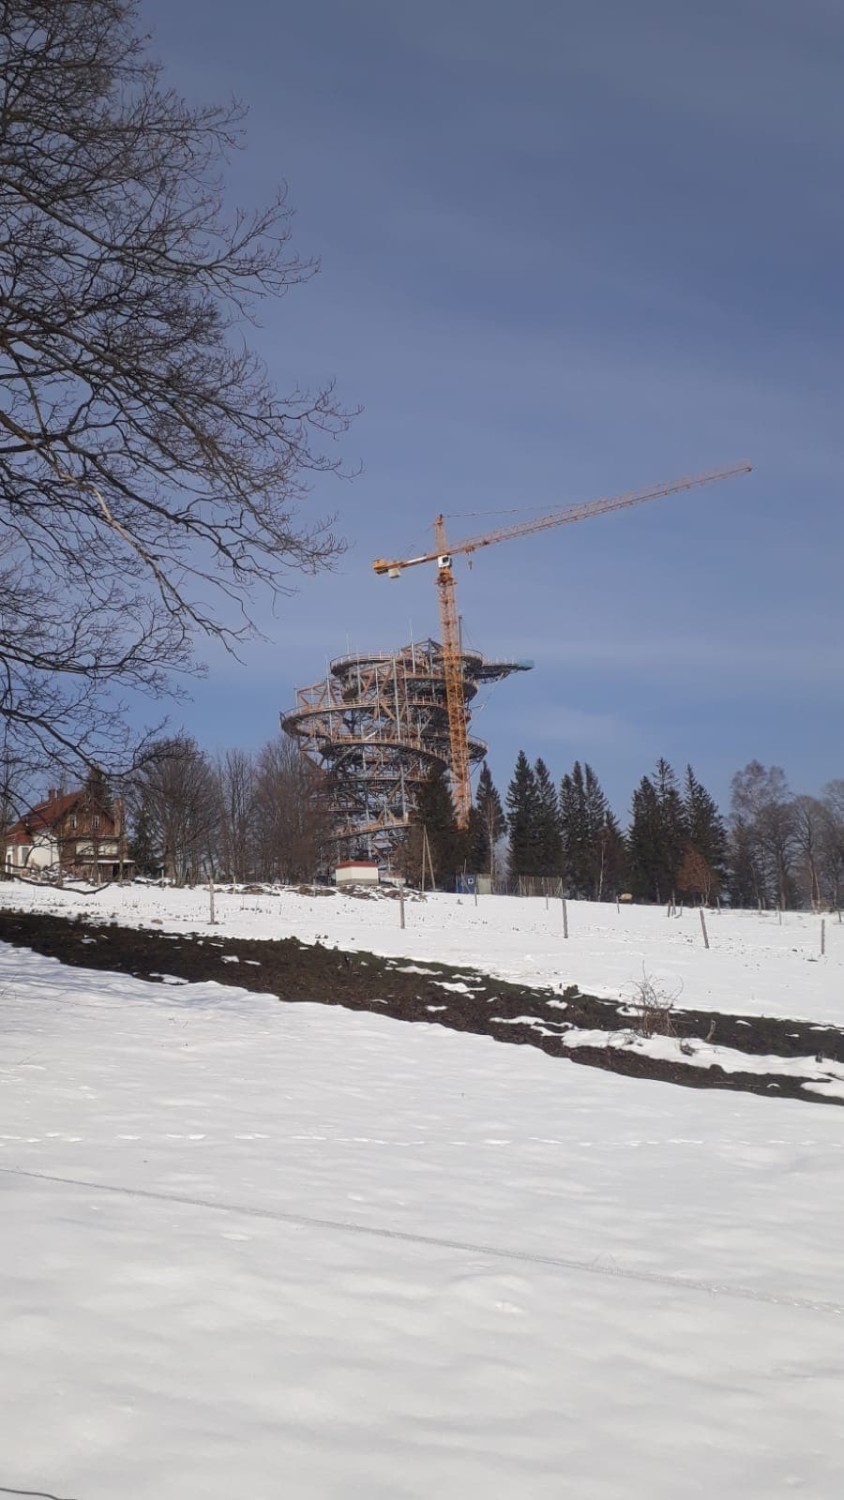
[(52, 794)]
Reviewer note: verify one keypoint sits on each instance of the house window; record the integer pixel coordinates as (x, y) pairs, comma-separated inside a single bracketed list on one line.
[(95, 822), (73, 820)]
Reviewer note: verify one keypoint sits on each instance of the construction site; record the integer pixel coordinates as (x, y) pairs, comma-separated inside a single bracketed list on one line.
[(376, 726), (379, 722)]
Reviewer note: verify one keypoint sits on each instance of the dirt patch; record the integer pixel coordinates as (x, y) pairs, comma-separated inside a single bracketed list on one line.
[(461, 999)]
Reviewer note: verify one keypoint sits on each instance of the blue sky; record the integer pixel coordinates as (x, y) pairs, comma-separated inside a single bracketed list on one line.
[(567, 249)]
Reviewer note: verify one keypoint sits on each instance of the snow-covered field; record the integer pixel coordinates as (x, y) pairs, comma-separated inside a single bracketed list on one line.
[(257, 1250), (755, 966), (262, 1250)]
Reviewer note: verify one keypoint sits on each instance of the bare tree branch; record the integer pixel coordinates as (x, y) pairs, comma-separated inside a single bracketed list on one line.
[(150, 475)]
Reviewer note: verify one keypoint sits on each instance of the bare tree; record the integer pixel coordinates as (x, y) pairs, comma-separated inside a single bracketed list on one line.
[(238, 830), (150, 475), (833, 796), (832, 843), (292, 821), (11, 777), (810, 819), (763, 826), (175, 800)]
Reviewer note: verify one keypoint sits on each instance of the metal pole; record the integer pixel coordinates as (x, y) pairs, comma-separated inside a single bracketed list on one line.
[(401, 907), (565, 918), (212, 918)]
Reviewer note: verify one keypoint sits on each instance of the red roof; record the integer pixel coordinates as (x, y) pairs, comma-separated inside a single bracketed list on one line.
[(41, 818)]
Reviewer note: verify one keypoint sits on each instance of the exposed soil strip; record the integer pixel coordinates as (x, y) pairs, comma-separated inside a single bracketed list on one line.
[(461, 999)]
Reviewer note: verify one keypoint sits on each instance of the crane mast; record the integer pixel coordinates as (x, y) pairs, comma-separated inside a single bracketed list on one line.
[(455, 691), (458, 718)]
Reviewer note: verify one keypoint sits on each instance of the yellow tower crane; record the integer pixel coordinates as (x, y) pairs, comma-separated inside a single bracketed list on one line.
[(458, 719)]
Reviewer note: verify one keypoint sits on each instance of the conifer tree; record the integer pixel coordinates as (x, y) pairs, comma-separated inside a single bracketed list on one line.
[(489, 824), (704, 865), (657, 839), (643, 842), (672, 824), (548, 841), (604, 861), (523, 818), (593, 848), (142, 850), (573, 828), (612, 861), (435, 816)]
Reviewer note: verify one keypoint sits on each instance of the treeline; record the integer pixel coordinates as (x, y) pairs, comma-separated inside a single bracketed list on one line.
[(241, 816), (262, 815), (772, 848)]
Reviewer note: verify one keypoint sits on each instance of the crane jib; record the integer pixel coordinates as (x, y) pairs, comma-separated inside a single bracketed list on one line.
[(458, 716), (581, 512)]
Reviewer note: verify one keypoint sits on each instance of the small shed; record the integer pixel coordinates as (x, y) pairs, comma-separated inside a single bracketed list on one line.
[(356, 872)]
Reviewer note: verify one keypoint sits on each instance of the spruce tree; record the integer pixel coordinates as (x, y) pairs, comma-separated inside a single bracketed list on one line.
[(673, 830), (707, 840), (573, 831), (594, 855), (548, 840), (612, 855), (435, 816), (473, 839), (643, 843), (142, 850), (489, 824), (523, 818), (604, 846), (658, 837)]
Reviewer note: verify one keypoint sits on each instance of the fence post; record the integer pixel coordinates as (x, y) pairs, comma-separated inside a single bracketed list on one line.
[(823, 936), (212, 918), (703, 928), (565, 919), (401, 907)]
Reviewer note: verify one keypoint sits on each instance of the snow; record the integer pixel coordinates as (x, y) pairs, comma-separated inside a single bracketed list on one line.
[(701, 1054), (834, 1090), (261, 1250), (756, 966)]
